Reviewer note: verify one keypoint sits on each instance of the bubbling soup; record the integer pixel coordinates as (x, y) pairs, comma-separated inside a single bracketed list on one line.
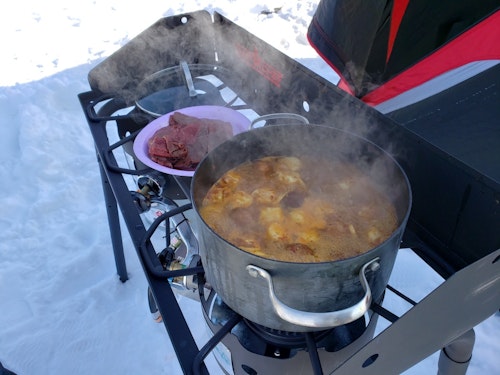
[(280, 208)]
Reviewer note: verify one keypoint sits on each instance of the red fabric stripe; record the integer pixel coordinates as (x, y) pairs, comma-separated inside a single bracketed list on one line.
[(479, 43), (343, 83), (398, 11)]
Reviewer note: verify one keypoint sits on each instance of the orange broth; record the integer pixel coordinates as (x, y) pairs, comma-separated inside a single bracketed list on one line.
[(281, 208)]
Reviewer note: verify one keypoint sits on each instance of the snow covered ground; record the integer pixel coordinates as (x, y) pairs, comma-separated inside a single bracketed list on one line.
[(62, 308)]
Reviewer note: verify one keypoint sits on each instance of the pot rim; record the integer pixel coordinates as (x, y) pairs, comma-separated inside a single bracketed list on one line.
[(402, 221)]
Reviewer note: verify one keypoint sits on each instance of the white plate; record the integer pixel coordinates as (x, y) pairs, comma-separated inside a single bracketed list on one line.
[(237, 120)]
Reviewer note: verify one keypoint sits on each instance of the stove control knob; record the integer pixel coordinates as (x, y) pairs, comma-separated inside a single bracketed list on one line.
[(151, 183), (142, 201)]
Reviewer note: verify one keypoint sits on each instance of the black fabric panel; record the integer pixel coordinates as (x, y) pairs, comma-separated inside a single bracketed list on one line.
[(376, 63), (463, 120), (344, 32), (353, 35), (428, 25), (454, 171)]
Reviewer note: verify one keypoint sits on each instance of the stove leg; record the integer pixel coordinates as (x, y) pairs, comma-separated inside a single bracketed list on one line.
[(114, 225), (455, 358)]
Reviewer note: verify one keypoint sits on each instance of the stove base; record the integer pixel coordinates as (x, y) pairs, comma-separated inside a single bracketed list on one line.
[(251, 349)]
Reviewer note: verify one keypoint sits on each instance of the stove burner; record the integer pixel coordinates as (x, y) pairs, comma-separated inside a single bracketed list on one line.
[(273, 343), (284, 338), (186, 85)]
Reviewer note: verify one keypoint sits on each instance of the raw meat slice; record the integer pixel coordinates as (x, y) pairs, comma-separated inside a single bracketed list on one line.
[(186, 140)]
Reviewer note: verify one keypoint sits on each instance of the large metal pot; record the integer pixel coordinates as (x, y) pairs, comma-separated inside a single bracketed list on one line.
[(289, 296)]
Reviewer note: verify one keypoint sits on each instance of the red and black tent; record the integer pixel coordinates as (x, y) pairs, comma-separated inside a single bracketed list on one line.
[(383, 48)]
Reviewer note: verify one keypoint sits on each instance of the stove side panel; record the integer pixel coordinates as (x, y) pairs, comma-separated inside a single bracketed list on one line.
[(164, 44)]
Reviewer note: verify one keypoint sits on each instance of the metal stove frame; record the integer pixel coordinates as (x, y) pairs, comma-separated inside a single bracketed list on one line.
[(272, 82)]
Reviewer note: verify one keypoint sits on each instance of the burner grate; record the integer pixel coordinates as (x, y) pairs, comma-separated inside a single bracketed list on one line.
[(284, 339)]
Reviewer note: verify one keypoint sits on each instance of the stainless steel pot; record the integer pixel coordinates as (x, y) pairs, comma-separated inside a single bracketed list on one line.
[(289, 296)]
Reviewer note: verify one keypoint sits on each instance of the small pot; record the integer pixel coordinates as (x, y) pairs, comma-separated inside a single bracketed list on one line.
[(180, 86), (299, 297)]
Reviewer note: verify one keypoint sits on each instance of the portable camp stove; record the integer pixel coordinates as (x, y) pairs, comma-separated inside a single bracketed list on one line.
[(231, 67), (239, 345)]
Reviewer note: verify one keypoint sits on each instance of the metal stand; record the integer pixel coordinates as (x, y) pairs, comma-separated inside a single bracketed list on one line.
[(114, 225), (455, 358), (448, 314)]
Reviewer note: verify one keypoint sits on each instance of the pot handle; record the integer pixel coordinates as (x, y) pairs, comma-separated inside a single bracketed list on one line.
[(284, 116), (320, 320)]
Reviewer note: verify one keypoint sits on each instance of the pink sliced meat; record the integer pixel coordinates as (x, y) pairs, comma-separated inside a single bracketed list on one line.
[(186, 140)]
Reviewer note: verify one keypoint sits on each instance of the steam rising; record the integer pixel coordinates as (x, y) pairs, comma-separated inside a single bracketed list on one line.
[(265, 81), (319, 142)]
